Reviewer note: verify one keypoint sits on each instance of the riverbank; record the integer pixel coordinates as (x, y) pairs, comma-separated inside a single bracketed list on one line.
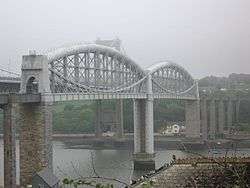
[(88, 141)]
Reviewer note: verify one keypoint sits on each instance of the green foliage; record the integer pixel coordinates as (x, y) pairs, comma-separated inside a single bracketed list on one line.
[(78, 116), (79, 182), (167, 110), (147, 184), (73, 117)]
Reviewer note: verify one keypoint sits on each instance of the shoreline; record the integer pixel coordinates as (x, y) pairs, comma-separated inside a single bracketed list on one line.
[(88, 141)]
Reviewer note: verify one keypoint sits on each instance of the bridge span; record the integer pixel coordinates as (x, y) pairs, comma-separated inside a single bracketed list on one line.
[(88, 72)]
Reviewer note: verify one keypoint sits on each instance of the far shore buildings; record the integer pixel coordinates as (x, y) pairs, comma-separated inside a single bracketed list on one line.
[(173, 130)]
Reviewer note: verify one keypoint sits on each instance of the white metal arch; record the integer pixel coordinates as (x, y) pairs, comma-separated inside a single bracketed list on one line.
[(91, 48), (169, 77), (166, 64), (93, 68)]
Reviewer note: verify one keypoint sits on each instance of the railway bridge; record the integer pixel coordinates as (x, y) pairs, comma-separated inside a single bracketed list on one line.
[(88, 72)]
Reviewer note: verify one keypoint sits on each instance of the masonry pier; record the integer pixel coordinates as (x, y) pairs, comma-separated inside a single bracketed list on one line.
[(218, 115), (35, 139), (119, 133), (9, 123), (98, 119), (143, 135), (204, 122), (192, 119), (221, 118)]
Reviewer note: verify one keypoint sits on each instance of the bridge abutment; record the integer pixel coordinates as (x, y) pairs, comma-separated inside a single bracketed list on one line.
[(229, 114), (204, 122), (212, 119), (192, 119), (143, 135), (35, 139), (119, 119), (218, 115), (237, 111), (98, 119), (221, 117)]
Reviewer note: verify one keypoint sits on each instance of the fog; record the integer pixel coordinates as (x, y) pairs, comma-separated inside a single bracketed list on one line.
[(206, 37)]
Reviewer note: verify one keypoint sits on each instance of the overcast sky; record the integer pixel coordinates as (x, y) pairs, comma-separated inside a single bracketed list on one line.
[(207, 37)]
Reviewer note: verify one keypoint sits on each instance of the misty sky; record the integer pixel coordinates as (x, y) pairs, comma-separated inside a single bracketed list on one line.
[(207, 37)]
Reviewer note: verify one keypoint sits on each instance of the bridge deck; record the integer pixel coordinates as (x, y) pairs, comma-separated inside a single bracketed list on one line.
[(57, 97), (60, 97), (19, 98)]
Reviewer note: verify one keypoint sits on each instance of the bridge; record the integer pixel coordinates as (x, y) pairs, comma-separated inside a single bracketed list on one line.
[(98, 72), (9, 81), (220, 113)]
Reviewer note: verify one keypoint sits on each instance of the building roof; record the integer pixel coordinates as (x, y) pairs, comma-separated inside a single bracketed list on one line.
[(47, 175)]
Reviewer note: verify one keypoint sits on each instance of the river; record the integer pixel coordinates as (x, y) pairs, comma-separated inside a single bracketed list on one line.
[(68, 162)]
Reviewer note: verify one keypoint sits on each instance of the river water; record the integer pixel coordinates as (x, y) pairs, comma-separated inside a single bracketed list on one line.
[(68, 162)]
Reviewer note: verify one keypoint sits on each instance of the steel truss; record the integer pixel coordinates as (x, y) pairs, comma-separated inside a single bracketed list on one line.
[(97, 69)]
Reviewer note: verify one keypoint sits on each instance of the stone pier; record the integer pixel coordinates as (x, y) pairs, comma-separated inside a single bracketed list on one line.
[(221, 117), (119, 119), (98, 119), (35, 119), (204, 123), (10, 119), (237, 110), (229, 114), (212, 119), (192, 119), (218, 114), (35, 139), (143, 135)]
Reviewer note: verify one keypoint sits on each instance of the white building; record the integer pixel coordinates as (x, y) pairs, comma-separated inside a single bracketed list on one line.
[(171, 130)]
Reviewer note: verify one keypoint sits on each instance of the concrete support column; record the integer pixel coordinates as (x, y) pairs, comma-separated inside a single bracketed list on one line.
[(138, 134), (9, 123), (98, 119), (192, 119), (149, 126), (119, 119), (212, 119), (221, 116), (143, 135), (35, 139), (229, 114), (204, 122)]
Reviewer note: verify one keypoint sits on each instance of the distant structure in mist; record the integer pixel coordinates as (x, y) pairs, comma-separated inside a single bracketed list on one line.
[(113, 43), (233, 81)]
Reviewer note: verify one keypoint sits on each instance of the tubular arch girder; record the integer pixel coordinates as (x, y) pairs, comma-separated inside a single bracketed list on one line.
[(99, 69), (169, 77)]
